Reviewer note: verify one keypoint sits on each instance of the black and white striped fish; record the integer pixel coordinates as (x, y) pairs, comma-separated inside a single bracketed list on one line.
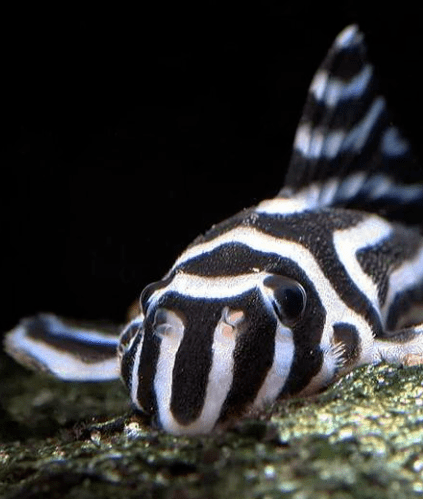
[(282, 298)]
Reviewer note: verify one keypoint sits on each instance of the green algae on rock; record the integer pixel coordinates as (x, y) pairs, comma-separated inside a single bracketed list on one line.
[(362, 438)]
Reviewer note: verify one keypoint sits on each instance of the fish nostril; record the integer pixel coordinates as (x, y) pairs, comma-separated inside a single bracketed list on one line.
[(232, 317), (227, 330), (229, 321)]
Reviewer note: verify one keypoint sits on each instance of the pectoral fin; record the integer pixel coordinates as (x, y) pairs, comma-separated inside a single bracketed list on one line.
[(403, 347), (66, 350)]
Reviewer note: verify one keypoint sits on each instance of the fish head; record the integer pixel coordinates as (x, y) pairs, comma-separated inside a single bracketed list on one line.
[(209, 352)]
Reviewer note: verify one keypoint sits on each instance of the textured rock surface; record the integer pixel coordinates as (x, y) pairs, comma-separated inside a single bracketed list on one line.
[(363, 438)]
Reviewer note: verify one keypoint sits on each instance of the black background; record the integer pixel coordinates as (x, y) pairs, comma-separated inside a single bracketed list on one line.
[(128, 133)]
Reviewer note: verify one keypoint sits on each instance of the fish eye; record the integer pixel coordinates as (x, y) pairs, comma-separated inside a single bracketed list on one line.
[(289, 298), (290, 301), (128, 334), (146, 294), (167, 322), (161, 317)]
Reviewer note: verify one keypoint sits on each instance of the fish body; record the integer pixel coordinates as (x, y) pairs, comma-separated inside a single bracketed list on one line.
[(282, 298)]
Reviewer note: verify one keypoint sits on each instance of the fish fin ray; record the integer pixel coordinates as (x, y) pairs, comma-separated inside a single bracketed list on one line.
[(346, 143), (404, 347), (66, 350)]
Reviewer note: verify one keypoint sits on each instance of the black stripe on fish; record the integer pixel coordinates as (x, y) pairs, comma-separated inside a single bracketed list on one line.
[(128, 355), (379, 260), (403, 302), (194, 357), (53, 332), (233, 259), (253, 357), (313, 230), (146, 369), (307, 334), (347, 335), (255, 349)]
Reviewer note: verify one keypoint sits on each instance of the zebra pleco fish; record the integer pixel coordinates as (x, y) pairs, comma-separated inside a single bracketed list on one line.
[(283, 298)]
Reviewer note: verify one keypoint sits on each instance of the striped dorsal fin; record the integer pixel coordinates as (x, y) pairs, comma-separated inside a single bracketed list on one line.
[(346, 150)]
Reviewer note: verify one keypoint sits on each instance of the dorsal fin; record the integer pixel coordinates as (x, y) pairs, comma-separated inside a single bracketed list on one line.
[(346, 144)]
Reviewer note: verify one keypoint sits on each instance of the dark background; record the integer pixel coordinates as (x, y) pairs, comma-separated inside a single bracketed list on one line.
[(129, 133)]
